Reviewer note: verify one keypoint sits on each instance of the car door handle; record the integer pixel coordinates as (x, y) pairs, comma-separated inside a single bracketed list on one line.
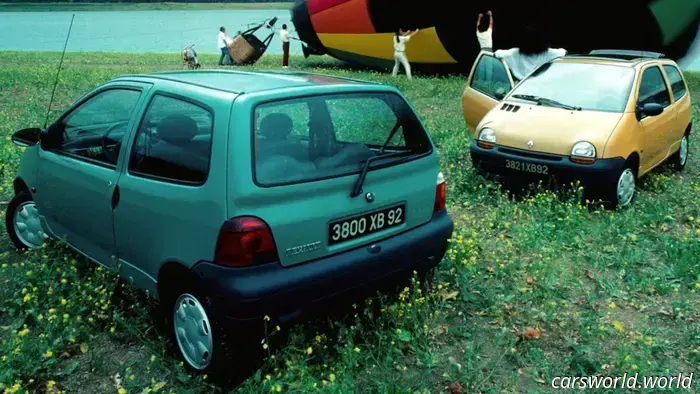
[(115, 197)]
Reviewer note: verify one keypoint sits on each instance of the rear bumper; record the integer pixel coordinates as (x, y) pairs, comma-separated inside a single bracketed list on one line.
[(290, 292), (602, 173)]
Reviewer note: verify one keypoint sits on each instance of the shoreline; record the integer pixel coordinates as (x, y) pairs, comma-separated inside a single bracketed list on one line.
[(140, 58), (161, 6)]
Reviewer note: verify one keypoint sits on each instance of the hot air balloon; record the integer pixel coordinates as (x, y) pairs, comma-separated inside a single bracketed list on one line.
[(360, 31)]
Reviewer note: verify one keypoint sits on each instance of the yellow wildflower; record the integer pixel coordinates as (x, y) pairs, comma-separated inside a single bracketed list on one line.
[(357, 349), (619, 326), (309, 350), (48, 353)]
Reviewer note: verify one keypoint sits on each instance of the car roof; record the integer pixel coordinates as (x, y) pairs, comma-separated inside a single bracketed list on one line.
[(241, 82), (628, 58)]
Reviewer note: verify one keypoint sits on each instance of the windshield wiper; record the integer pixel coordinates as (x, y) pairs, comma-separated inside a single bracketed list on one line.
[(545, 101), (357, 189)]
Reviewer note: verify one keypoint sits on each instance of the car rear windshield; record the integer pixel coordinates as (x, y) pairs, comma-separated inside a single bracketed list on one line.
[(595, 87), (327, 136)]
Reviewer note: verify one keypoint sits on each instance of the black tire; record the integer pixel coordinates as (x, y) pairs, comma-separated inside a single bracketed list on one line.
[(679, 159), (23, 200), (427, 279), (229, 359), (619, 194)]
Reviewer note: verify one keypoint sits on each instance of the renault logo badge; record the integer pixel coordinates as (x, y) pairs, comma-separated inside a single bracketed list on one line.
[(530, 144), (369, 197)]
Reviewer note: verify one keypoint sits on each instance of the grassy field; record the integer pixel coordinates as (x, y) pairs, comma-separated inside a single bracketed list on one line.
[(163, 6), (532, 288)]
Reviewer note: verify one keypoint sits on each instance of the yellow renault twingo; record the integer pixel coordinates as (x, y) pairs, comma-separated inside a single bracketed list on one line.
[(605, 118)]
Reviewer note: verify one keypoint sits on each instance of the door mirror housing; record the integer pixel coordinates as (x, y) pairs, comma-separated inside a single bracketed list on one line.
[(51, 137), (650, 109), (27, 137)]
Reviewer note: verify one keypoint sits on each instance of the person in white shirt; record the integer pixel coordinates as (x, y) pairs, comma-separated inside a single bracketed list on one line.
[(285, 37), (484, 31), (223, 41), (531, 54), (400, 40)]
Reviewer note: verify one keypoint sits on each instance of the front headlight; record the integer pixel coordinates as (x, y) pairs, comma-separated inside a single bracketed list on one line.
[(487, 135), (583, 149), (583, 153)]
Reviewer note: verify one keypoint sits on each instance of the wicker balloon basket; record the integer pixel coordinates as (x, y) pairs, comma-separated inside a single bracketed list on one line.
[(247, 48), (241, 50)]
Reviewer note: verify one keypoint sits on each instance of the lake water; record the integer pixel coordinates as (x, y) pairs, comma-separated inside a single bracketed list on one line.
[(134, 31), (153, 31)]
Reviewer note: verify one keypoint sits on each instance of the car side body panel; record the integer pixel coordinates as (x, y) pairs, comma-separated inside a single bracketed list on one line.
[(161, 220)]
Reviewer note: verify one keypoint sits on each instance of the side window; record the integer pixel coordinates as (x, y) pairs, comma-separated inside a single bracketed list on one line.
[(677, 84), (653, 89), (95, 129), (490, 77), (173, 141)]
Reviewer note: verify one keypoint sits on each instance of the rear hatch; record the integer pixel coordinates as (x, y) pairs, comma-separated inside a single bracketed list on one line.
[(308, 158)]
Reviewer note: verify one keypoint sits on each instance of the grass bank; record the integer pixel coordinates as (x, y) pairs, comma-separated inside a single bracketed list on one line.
[(155, 6), (532, 288)]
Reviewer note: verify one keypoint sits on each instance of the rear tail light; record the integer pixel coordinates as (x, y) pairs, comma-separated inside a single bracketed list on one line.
[(440, 193), (245, 241)]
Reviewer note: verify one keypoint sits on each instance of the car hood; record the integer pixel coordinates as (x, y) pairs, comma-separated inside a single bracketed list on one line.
[(551, 130)]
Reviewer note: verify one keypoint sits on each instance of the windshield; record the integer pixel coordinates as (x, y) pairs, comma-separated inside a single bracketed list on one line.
[(327, 136), (594, 87)]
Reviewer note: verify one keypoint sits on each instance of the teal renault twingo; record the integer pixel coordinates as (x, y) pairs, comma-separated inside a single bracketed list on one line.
[(231, 196)]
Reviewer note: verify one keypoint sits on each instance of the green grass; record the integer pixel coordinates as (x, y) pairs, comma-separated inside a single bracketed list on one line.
[(611, 292), (160, 6)]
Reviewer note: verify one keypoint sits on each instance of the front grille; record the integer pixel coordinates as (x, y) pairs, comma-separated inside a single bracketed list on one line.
[(534, 155)]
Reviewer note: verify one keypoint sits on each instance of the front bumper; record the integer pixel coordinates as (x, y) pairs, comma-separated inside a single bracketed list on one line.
[(290, 292), (560, 169)]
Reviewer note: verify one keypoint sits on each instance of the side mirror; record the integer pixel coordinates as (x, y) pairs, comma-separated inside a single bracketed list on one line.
[(500, 94), (651, 109), (27, 137), (51, 137)]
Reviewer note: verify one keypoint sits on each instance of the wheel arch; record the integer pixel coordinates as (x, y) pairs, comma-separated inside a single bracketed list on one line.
[(633, 161), (20, 185), (172, 272)]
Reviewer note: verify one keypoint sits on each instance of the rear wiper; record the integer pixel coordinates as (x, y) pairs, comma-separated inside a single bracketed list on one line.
[(357, 189), (545, 101)]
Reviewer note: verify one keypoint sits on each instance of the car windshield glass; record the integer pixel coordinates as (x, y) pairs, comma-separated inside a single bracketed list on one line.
[(327, 136), (594, 87)]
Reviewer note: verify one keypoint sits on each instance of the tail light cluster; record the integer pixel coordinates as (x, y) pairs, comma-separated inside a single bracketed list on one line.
[(440, 193), (245, 241)]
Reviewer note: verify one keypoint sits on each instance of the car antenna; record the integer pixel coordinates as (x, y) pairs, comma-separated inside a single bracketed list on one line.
[(46, 122)]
